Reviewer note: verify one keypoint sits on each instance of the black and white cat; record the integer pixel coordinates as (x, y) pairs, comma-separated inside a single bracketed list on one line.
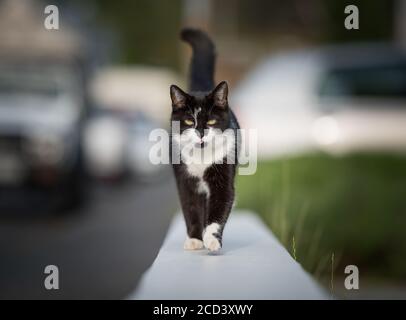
[(205, 173)]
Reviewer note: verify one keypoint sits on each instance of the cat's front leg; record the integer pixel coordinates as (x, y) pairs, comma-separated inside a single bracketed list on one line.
[(194, 227), (193, 244), (212, 236), (220, 204), (193, 208)]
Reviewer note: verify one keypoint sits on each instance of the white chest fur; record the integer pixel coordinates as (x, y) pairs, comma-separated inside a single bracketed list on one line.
[(219, 145), (197, 170)]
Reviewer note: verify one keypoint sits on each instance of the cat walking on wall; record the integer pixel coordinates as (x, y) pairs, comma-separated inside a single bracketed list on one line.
[(207, 142)]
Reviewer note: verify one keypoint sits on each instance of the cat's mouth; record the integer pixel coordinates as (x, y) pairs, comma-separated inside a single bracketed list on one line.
[(201, 144)]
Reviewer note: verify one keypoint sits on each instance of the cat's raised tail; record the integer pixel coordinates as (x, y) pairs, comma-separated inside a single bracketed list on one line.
[(201, 74)]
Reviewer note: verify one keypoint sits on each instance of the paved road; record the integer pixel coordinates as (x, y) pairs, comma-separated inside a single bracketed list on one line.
[(100, 249)]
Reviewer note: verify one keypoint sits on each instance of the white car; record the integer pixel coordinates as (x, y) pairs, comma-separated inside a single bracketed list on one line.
[(338, 99)]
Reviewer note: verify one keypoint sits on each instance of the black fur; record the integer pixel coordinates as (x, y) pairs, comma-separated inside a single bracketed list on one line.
[(203, 60), (200, 211)]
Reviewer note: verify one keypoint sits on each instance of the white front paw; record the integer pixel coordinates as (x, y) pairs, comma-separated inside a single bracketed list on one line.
[(210, 240), (211, 243), (193, 244)]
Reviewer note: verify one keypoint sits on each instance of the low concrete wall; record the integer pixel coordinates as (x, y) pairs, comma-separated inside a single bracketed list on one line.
[(251, 265)]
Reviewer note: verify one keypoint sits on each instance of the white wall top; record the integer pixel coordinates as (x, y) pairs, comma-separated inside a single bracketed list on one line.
[(251, 265)]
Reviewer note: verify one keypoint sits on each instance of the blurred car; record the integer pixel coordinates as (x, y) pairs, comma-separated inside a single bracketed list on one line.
[(338, 99), (43, 104), (130, 102), (135, 88), (117, 145), (41, 112)]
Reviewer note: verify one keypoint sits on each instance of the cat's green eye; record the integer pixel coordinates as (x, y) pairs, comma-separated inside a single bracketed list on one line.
[(188, 122), (211, 122)]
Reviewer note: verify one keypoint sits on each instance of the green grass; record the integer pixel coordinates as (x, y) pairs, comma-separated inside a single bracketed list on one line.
[(353, 207)]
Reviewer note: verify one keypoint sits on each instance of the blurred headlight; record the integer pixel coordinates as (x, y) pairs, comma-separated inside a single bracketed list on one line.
[(104, 141), (45, 148)]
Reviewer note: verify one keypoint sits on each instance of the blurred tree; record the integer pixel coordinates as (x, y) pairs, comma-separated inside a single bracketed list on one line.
[(147, 30), (311, 20), (376, 21)]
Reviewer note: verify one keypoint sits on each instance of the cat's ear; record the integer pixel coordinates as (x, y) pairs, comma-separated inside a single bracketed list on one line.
[(220, 95), (178, 96)]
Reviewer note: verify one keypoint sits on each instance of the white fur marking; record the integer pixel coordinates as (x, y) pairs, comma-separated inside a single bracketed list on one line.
[(219, 146), (193, 244), (197, 169), (195, 114), (209, 240), (203, 187)]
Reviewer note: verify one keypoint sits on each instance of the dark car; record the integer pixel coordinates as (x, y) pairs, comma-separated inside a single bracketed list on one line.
[(42, 110)]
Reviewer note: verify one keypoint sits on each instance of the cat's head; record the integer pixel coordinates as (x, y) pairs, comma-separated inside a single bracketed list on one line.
[(202, 115)]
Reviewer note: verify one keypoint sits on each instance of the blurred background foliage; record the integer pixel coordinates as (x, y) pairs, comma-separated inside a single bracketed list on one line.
[(146, 31), (143, 32), (317, 205), (377, 19)]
